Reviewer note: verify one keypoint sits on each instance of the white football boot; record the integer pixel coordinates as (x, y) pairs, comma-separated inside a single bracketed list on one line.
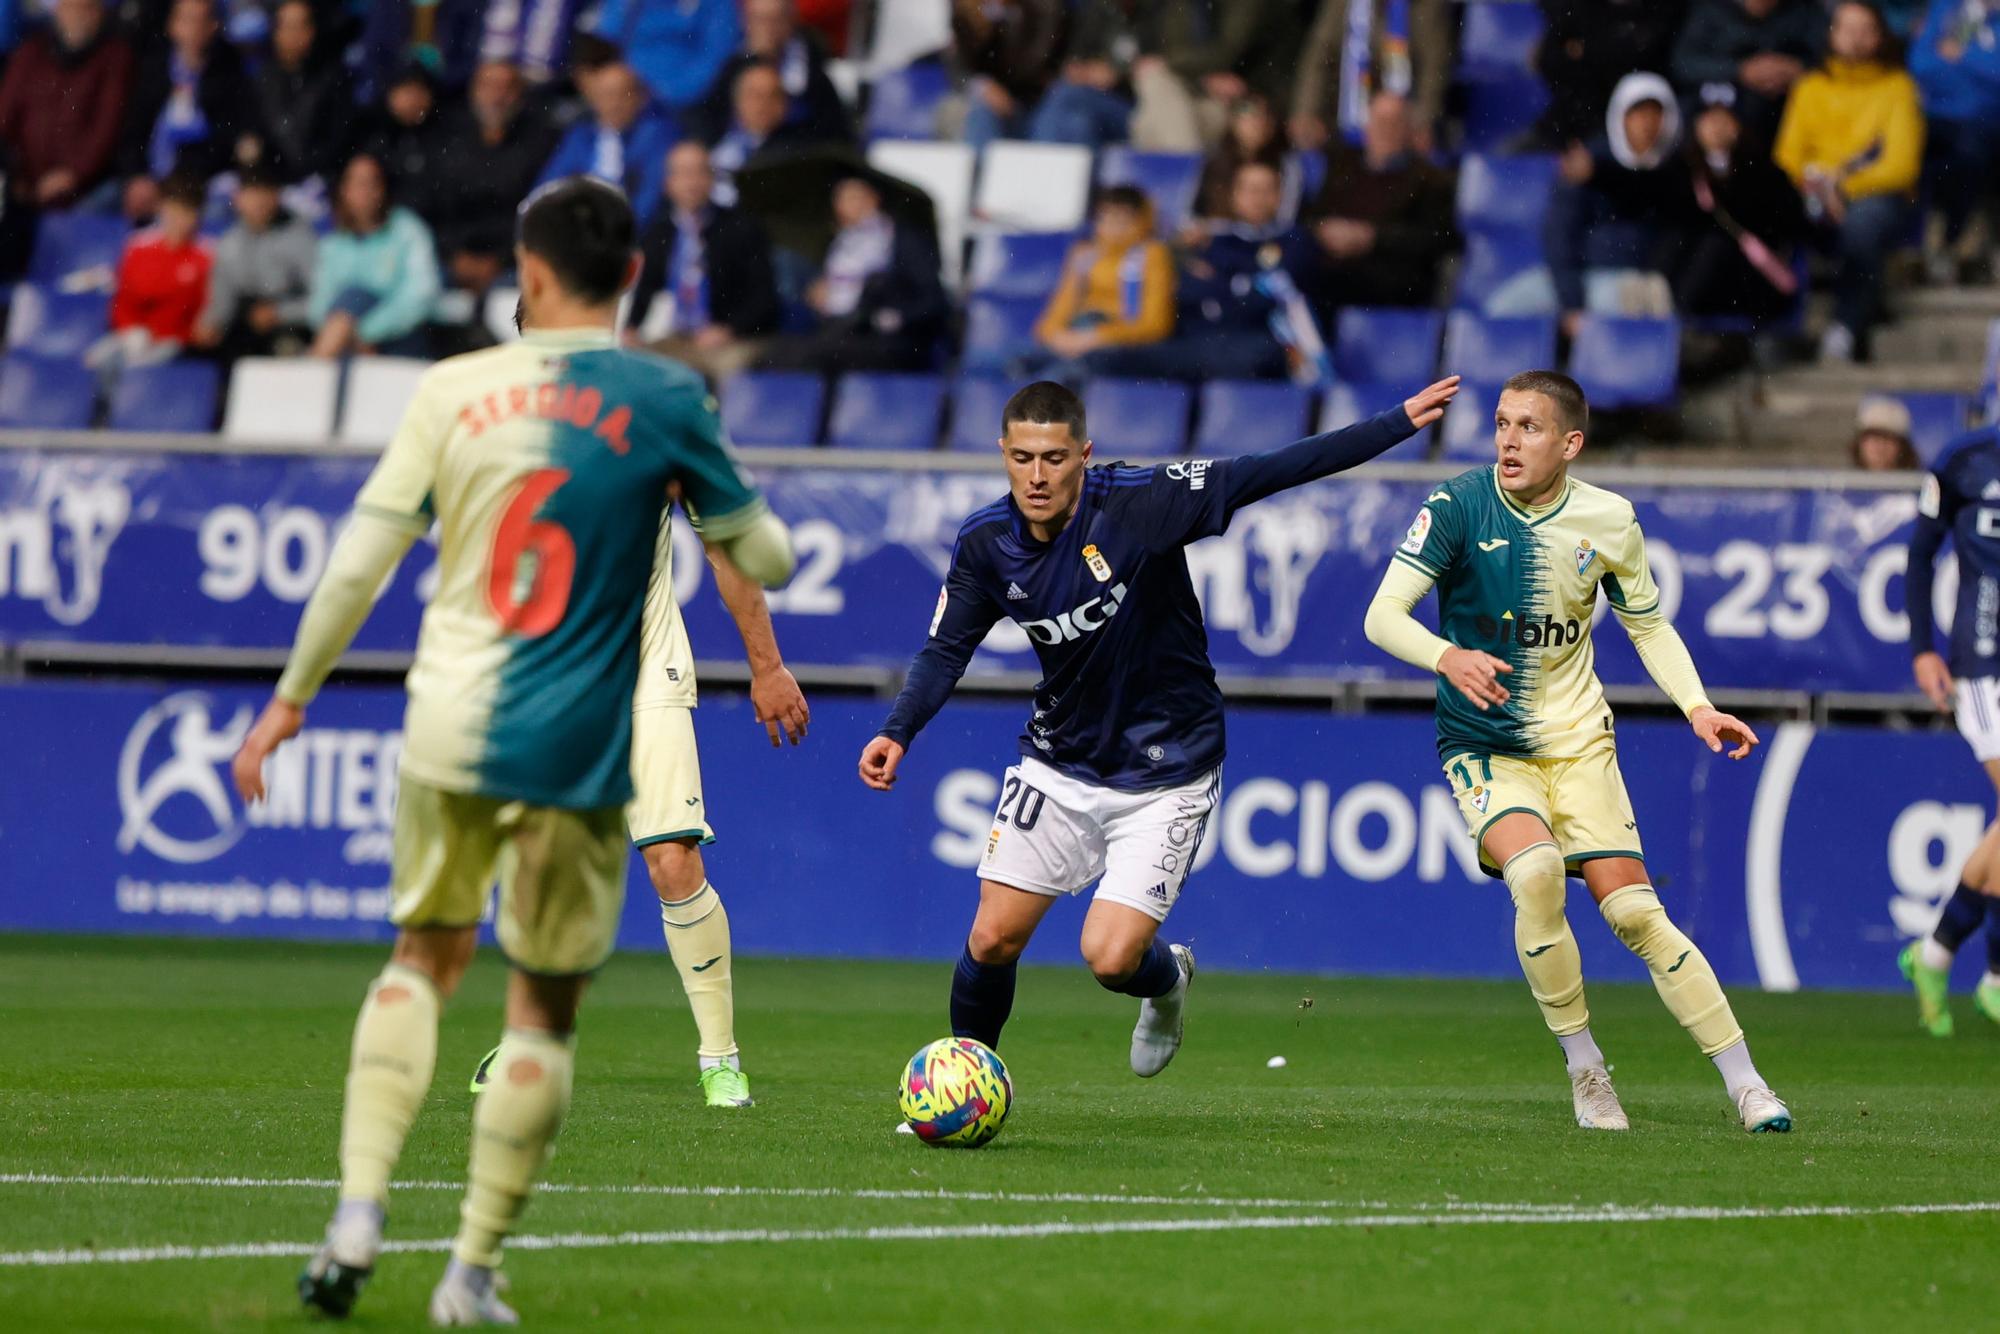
[(1596, 1101), (1763, 1110), (1158, 1034), (467, 1296)]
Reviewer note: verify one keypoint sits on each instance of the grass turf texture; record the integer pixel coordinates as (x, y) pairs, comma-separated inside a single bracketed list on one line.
[(169, 1059)]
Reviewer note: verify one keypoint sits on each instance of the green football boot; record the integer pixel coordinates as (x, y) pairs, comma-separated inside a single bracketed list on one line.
[(484, 1070), (1987, 998), (726, 1086), (1931, 984)]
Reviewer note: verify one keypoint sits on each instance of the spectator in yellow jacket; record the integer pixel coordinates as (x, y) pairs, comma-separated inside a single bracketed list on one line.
[(1852, 140), (1117, 288)]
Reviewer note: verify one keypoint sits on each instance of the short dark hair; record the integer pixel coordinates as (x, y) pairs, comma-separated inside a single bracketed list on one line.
[(583, 229), (185, 188), (1571, 406), (588, 51), (1045, 403), (1123, 196)]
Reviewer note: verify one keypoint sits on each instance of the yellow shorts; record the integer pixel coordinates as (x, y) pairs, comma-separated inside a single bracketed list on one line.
[(666, 778), (1581, 799), (561, 873)]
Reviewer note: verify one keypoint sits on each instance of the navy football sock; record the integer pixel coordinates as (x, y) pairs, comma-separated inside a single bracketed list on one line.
[(1157, 974), (1963, 912), (982, 996), (1993, 935)]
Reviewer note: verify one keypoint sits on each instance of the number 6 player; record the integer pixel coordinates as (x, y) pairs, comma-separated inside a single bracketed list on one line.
[(1518, 551), (1122, 758)]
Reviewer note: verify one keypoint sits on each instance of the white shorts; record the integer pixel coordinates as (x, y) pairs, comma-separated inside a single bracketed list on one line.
[(666, 778), (1054, 835), (1979, 715)]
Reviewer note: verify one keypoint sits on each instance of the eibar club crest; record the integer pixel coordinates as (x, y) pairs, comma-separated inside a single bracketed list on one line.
[(1100, 568), (1585, 554), (1481, 798)]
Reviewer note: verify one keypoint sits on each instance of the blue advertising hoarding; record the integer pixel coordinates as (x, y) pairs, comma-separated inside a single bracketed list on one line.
[(1796, 589), (1337, 846)]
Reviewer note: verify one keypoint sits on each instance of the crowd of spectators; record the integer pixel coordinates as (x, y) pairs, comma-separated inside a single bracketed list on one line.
[(318, 178)]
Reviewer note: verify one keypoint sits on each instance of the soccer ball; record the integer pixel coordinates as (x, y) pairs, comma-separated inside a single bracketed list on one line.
[(956, 1093)]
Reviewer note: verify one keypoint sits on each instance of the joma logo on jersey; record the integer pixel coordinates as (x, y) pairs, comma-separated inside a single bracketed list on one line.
[(1545, 633), (1074, 625)]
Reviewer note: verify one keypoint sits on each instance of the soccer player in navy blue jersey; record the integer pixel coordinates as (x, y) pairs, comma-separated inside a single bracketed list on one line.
[(1961, 500), (1121, 760)]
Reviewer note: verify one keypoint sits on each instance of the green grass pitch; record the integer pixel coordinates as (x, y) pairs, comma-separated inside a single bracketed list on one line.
[(1413, 1166)]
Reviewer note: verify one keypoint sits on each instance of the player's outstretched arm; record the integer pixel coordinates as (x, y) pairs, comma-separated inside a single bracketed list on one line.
[(1926, 663), (775, 697), (964, 614), (1251, 477)]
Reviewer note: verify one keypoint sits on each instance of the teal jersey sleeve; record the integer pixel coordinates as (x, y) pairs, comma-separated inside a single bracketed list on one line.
[(1435, 536), (720, 499)]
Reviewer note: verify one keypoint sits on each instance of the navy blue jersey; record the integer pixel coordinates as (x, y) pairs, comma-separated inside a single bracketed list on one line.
[(1127, 698), (1961, 500)]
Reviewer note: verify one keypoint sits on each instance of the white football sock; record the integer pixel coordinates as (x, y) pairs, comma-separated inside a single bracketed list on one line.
[(1935, 955), (1580, 1051), (1737, 1071)]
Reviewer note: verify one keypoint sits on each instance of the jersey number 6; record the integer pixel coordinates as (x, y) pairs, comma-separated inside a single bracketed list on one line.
[(533, 562)]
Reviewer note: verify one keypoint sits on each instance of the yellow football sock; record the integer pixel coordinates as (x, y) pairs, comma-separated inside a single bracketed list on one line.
[(1681, 975), (388, 1074), (513, 1131), (1543, 939), (697, 931)]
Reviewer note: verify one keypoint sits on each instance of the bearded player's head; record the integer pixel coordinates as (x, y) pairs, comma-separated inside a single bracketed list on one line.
[(1537, 429), (1043, 440), (574, 247)]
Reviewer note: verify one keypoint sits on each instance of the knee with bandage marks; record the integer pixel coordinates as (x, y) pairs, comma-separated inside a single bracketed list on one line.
[(1635, 917), (1534, 876)]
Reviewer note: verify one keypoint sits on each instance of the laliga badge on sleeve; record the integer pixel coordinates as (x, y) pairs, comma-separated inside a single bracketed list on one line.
[(1420, 529)]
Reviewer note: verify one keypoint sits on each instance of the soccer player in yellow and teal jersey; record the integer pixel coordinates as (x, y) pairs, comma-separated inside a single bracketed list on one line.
[(545, 465), (1519, 553)]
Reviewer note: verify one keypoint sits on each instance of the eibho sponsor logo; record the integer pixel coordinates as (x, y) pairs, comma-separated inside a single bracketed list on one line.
[(56, 538), (174, 796)]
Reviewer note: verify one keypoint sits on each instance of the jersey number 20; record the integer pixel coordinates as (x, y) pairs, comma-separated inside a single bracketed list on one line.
[(534, 560)]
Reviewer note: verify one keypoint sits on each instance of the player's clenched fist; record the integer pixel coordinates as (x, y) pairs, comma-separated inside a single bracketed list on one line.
[(878, 763), (1476, 674)]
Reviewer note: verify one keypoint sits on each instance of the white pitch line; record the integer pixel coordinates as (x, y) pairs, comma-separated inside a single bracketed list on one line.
[(989, 1231)]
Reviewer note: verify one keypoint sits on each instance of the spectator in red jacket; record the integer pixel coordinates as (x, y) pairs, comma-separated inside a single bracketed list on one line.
[(162, 283)]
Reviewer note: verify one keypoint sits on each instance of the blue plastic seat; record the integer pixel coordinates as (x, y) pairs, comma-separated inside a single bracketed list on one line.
[(976, 404), (1498, 37), (1170, 180), (1349, 402), (1505, 192), (1386, 345), (51, 323), (1627, 362), (903, 103), (1479, 348), (1935, 420), (1500, 111), (69, 243), (172, 396), (1467, 433), (1137, 417), (45, 393), (1244, 416), (998, 329), (1494, 259), (774, 407), (1018, 264), (886, 410)]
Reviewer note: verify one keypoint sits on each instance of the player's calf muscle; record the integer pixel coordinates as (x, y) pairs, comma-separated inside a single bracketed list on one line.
[(675, 869), (439, 953)]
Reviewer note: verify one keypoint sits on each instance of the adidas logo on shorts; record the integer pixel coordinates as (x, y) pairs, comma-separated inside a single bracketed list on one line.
[(1014, 593), (1158, 892)]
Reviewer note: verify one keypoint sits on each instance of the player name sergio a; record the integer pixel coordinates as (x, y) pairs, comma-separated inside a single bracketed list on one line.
[(582, 407)]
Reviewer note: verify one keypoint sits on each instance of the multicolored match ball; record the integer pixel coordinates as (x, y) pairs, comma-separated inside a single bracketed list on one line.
[(956, 1093)]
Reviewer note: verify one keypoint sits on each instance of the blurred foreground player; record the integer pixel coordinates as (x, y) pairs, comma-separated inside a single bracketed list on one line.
[(545, 464), (1961, 500), (1518, 551), (1121, 762)]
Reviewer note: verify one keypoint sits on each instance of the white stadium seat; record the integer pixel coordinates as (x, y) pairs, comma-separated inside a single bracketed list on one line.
[(499, 313), (378, 390), (944, 172), (288, 400), (1026, 187)]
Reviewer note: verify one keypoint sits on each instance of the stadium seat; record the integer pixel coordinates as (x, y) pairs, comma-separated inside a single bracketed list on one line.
[(289, 400), (1137, 417), (1989, 384), (1935, 419), (999, 329), (1243, 416), (1494, 259), (903, 103), (944, 172), (176, 395), (1500, 111), (1378, 345), (1169, 180), (1503, 94), (70, 245), (51, 323), (1505, 192), (1467, 433), (976, 404), (1348, 403), (781, 408), (45, 393), (1026, 187), (1627, 362), (378, 390), (884, 410), (1022, 264), (1479, 348)]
